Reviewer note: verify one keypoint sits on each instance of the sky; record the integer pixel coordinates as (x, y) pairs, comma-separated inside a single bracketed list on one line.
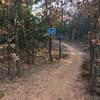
[(37, 9)]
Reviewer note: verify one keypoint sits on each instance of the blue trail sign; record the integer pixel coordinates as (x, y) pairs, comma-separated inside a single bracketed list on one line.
[(51, 31)]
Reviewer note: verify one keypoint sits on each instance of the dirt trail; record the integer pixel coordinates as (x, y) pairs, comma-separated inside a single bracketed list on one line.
[(61, 83)]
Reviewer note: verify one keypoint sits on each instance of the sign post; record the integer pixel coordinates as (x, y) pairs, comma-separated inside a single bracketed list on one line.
[(60, 38), (59, 48), (51, 32)]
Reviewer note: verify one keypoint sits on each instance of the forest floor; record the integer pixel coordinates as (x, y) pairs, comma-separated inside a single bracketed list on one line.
[(57, 81)]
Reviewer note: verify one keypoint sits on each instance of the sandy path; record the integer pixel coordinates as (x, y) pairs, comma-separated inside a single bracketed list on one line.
[(60, 83)]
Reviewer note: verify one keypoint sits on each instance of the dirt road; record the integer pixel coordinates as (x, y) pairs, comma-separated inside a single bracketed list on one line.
[(61, 83)]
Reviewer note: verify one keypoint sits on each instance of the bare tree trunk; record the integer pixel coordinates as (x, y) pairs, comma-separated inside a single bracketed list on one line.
[(18, 3)]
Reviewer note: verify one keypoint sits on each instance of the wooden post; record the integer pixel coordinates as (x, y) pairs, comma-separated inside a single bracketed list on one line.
[(60, 48), (50, 48)]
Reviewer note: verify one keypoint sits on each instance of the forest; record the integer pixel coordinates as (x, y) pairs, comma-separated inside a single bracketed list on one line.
[(24, 38)]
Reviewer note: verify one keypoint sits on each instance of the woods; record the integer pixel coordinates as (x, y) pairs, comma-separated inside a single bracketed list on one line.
[(20, 34), (24, 39)]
